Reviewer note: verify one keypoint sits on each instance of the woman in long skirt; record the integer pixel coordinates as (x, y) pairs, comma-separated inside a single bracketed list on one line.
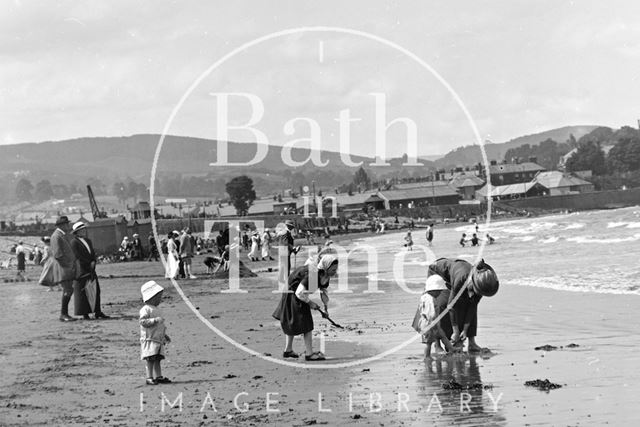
[(266, 245), (294, 310), (172, 256), (254, 255)]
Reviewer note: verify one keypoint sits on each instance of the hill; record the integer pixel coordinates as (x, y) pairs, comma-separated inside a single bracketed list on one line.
[(471, 154)]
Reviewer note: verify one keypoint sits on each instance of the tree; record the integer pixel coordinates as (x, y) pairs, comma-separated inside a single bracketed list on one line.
[(361, 179), (625, 156), (241, 194), (24, 189), (589, 156), (44, 191)]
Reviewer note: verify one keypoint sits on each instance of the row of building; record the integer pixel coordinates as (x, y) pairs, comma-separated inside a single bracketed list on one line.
[(508, 181)]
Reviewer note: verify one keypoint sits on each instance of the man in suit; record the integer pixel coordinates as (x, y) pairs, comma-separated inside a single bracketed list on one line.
[(187, 249), (85, 272), (64, 261)]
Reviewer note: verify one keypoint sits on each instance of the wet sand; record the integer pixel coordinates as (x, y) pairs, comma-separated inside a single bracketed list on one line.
[(89, 371)]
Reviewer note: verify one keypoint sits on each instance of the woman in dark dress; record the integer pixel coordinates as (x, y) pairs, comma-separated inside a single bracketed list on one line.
[(294, 310), (462, 322)]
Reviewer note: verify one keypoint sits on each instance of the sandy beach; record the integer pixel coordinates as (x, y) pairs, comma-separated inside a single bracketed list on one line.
[(89, 371)]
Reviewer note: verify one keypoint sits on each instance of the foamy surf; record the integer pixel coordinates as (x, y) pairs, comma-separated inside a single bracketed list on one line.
[(560, 284), (589, 239)]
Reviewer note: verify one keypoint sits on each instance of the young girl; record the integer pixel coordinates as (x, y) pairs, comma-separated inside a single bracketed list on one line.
[(409, 241), (433, 302), (152, 332)]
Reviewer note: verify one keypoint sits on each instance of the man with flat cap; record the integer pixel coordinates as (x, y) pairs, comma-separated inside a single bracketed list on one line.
[(85, 302), (64, 263)]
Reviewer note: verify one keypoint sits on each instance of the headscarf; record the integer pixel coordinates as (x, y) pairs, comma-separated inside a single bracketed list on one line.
[(326, 261), (324, 264)]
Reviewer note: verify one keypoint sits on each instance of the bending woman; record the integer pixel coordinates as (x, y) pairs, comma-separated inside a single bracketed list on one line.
[(462, 321), (294, 310)]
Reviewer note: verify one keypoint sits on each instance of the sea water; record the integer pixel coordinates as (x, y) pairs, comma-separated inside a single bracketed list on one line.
[(592, 251)]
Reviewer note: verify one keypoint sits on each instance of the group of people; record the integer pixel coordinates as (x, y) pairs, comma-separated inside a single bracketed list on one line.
[(474, 240), (260, 245), (450, 282), (70, 262), (181, 248), (408, 238)]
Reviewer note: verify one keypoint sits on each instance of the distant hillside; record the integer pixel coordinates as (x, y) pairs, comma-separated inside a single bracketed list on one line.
[(471, 154), (118, 159)]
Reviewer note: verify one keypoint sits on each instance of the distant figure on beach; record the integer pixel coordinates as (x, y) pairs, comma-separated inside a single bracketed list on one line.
[(408, 241), (294, 309), (254, 254), (463, 317), (284, 239), (187, 250), (137, 251), (172, 256), (266, 245), (245, 240), (489, 239), (474, 240), (37, 255), (86, 286), (433, 301), (63, 264), (463, 240), (153, 248), (21, 258), (153, 333), (46, 276), (429, 234)]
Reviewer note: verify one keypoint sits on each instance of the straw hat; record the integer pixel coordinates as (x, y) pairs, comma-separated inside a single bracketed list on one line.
[(78, 226), (289, 223), (150, 289)]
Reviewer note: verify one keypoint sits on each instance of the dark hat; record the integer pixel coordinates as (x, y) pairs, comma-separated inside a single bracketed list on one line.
[(485, 280), (62, 220)]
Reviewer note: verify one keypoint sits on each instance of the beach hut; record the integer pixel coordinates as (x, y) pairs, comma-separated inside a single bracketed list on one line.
[(106, 234)]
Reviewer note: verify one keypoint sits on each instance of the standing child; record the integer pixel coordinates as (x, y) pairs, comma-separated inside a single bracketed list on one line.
[(463, 240), (409, 241), (430, 234), (153, 335), (433, 302)]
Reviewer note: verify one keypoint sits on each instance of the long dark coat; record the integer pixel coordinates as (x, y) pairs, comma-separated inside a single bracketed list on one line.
[(84, 273)]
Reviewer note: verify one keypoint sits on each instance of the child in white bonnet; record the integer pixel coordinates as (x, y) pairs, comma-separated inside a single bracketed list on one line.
[(432, 302), (153, 335)]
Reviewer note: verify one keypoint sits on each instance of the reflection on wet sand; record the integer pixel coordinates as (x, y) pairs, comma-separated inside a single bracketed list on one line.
[(465, 399)]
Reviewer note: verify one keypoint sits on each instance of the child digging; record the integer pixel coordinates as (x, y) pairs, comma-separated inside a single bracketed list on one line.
[(153, 335), (432, 302)]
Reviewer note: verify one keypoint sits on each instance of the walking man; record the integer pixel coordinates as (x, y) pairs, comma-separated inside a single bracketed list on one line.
[(63, 264)]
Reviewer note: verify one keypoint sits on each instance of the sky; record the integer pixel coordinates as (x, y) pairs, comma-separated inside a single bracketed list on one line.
[(73, 69)]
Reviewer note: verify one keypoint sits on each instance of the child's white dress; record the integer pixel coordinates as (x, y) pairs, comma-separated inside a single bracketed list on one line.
[(428, 314), (152, 332)]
